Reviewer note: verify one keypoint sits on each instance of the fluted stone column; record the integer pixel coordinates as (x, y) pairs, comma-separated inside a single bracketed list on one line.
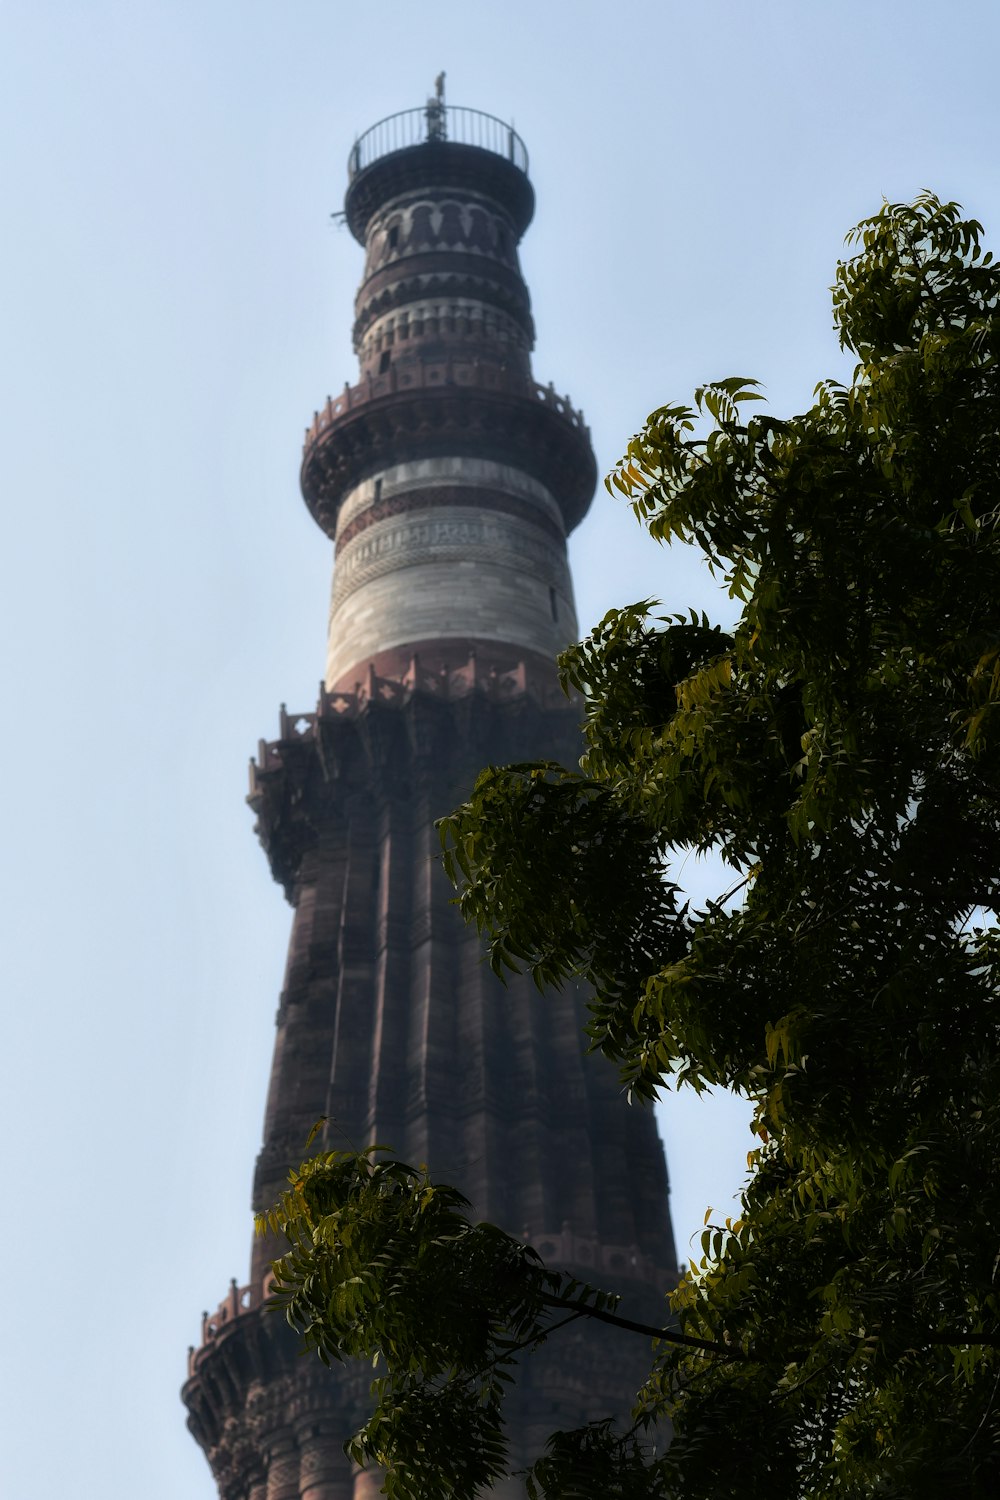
[(325, 1472), (448, 481), (367, 1485), (282, 1452)]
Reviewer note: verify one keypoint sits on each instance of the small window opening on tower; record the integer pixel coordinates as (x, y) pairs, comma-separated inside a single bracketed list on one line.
[(384, 361), (394, 237), (554, 604), (378, 488)]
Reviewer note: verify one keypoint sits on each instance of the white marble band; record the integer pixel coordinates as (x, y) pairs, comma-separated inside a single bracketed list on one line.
[(471, 473), (428, 570)]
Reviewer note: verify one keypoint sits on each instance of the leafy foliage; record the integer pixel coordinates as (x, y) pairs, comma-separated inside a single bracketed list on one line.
[(840, 749), (384, 1265)]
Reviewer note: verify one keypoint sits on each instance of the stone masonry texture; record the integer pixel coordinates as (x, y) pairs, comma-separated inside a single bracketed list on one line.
[(448, 480)]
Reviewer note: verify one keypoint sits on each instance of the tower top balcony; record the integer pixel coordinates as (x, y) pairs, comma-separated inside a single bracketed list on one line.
[(437, 122), (440, 145)]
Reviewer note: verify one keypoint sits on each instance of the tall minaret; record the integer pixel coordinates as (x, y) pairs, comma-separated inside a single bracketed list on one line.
[(448, 480)]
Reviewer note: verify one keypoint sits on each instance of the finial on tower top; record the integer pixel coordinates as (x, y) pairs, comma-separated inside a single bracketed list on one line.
[(436, 129)]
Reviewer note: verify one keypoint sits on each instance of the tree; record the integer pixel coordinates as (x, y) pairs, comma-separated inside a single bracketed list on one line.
[(840, 749)]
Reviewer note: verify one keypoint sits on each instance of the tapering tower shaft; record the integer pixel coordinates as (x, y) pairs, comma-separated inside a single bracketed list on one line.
[(446, 476), (448, 480)]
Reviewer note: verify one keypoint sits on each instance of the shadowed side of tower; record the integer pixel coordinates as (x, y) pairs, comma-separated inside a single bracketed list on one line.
[(448, 480)]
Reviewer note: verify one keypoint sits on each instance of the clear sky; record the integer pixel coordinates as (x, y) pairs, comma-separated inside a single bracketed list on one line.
[(176, 302)]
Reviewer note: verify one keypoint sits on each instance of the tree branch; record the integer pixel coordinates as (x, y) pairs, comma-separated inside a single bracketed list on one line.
[(584, 1309)]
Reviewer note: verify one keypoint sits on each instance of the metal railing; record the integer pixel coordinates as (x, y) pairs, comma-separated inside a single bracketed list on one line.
[(437, 122)]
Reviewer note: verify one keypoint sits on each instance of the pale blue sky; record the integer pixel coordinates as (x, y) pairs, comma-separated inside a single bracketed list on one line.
[(176, 303)]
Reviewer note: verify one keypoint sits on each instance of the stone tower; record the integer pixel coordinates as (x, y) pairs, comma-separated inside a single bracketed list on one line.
[(448, 480)]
